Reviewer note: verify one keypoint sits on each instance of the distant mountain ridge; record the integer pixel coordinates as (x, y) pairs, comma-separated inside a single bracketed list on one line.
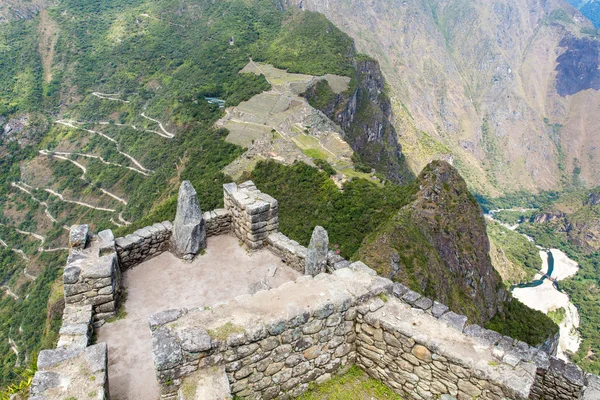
[(476, 83)]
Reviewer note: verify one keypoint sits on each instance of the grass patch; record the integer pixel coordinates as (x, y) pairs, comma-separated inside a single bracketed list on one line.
[(354, 385), (224, 331), (558, 315), (122, 312)]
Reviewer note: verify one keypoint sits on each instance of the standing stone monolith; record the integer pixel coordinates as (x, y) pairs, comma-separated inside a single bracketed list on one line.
[(316, 260), (189, 230)]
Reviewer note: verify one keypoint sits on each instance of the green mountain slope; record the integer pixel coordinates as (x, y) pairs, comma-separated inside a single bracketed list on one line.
[(438, 246), (103, 112)]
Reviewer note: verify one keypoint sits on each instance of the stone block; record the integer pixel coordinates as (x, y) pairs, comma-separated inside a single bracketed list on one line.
[(454, 320), (78, 236)]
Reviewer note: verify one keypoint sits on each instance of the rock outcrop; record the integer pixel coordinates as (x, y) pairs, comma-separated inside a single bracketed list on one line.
[(364, 112), (438, 245), (316, 260), (189, 230)]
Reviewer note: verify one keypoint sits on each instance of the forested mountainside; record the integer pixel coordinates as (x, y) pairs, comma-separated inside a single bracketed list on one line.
[(105, 107), (567, 221), (507, 91), (437, 245)]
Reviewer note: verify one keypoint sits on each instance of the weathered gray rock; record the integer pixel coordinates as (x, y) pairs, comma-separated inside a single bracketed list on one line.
[(592, 390), (71, 274), (316, 260), (107, 242), (165, 349), (455, 320), (78, 236), (164, 317), (399, 290), (189, 230), (438, 309), (194, 340)]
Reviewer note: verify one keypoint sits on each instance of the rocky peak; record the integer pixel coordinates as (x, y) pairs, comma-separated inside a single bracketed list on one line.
[(438, 246)]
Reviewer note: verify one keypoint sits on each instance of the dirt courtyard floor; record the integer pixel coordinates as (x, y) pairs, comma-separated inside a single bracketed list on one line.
[(226, 271)]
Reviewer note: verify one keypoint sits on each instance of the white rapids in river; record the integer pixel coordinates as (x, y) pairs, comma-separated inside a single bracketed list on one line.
[(546, 298)]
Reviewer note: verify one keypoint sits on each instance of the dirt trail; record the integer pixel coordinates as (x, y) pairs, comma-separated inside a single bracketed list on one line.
[(15, 349), (111, 97), (39, 237), (43, 203), (23, 255), (123, 219), (11, 294), (135, 128), (119, 199), (102, 160), (70, 124), (61, 197), (162, 128), (82, 177), (18, 251)]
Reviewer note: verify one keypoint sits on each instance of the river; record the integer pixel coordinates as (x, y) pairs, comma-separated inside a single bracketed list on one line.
[(544, 295)]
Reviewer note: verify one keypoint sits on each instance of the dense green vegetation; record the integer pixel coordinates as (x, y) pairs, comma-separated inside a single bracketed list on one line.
[(557, 315), (160, 58), (307, 197), (514, 217), (311, 44), (517, 249), (516, 200), (583, 288), (521, 322), (353, 385)]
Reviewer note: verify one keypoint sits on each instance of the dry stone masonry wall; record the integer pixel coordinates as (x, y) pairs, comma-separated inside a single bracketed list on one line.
[(144, 244), (76, 370), (254, 214), (272, 344), (218, 222), (92, 275), (290, 251)]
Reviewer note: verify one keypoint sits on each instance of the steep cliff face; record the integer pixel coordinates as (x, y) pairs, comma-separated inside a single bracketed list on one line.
[(11, 10), (575, 217), (476, 83), (438, 245), (364, 112)]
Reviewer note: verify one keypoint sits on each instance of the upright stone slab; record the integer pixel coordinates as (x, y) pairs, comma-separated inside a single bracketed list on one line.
[(316, 260), (78, 236), (189, 230)]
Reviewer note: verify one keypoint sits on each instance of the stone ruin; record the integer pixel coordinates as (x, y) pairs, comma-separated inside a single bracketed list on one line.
[(273, 343)]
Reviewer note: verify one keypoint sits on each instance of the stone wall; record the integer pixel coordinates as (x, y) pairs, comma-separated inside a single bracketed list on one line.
[(254, 214), (290, 251), (92, 275), (218, 222), (272, 344), (76, 370), (77, 373), (143, 244), (422, 350)]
